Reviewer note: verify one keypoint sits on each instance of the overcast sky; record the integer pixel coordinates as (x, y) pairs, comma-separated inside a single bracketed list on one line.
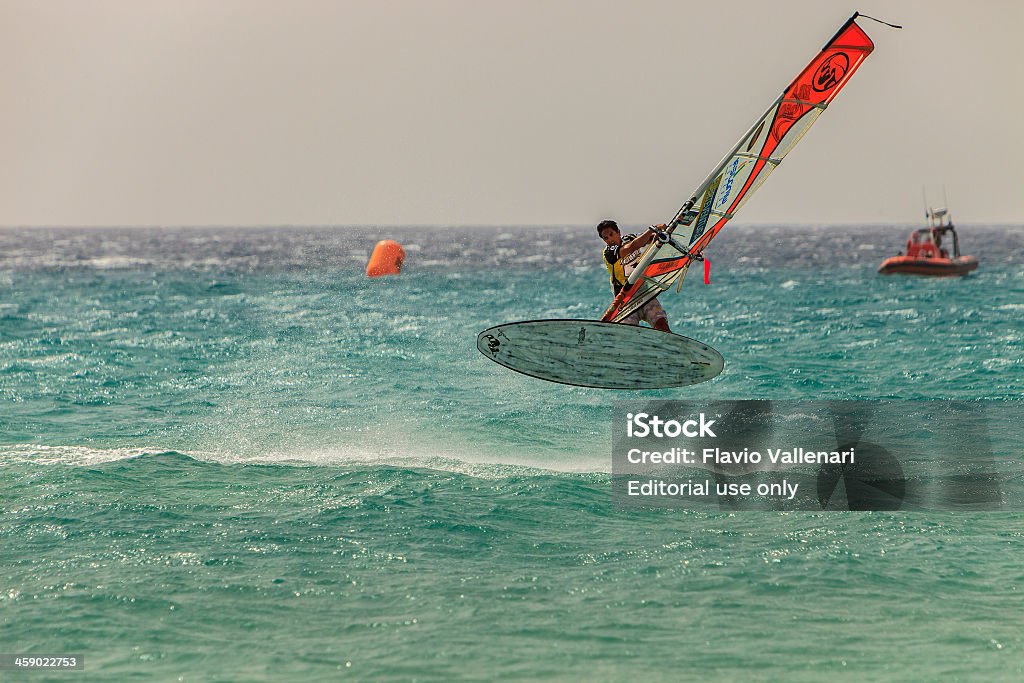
[(486, 112)]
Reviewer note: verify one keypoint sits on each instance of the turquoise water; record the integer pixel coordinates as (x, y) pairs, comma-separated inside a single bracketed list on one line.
[(227, 455)]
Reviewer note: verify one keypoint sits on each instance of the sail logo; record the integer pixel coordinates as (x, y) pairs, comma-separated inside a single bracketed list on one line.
[(733, 172), (831, 71), (727, 190), (705, 209), (791, 110)]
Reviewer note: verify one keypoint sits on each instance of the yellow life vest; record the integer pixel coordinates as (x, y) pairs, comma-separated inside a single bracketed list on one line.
[(617, 270)]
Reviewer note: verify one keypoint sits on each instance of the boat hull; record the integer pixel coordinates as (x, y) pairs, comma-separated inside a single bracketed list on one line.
[(938, 267)]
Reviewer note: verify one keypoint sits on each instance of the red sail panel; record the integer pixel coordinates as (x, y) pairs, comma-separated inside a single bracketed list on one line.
[(822, 79)]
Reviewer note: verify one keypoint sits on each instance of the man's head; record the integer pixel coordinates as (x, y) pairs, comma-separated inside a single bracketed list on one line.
[(609, 232)]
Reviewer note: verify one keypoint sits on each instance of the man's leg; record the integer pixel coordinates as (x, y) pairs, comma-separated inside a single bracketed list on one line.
[(654, 314), (631, 319)]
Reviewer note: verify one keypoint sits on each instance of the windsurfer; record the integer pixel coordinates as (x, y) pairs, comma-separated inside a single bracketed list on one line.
[(620, 256)]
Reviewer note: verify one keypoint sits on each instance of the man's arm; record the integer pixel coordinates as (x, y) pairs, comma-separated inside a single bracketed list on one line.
[(641, 241)]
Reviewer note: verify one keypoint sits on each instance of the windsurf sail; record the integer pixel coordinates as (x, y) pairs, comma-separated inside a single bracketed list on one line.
[(744, 169)]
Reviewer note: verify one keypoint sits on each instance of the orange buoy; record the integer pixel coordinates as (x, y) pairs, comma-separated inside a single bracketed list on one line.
[(387, 259)]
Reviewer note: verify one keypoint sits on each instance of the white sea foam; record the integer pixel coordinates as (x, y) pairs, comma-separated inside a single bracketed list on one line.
[(476, 465), (496, 465), (79, 456)]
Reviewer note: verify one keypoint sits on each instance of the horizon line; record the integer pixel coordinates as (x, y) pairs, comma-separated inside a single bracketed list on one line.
[(444, 226)]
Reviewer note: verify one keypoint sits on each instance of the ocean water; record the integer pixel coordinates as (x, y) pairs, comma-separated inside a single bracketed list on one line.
[(225, 454)]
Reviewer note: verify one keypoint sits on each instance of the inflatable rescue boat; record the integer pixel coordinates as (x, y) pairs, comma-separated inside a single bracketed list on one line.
[(925, 254)]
